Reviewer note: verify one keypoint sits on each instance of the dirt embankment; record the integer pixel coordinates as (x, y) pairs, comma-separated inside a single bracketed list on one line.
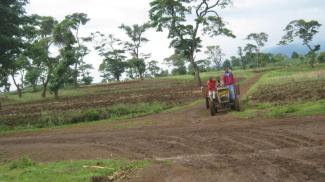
[(291, 91)]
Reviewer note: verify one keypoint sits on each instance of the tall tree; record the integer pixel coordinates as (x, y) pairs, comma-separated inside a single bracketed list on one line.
[(39, 50), (11, 32), (177, 61), (77, 20), (109, 47), (215, 55), (65, 39), (177, 17), (153, 68), (137, 39), (259, 40), (243, 60), (305, 30)]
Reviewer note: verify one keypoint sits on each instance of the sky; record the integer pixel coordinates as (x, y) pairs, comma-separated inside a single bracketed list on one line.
[(243, 17)]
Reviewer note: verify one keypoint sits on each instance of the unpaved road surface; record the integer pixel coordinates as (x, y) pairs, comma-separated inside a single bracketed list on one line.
[(199, 148)]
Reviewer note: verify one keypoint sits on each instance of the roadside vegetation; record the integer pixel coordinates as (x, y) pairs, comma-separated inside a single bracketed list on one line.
[(26, 170)]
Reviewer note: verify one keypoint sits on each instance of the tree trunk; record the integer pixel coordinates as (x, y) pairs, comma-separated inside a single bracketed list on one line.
[(34, 87), (141, 76), (56, 93), (17, 86), (45, 86), (196, 71), (257, 60), (76, 75)]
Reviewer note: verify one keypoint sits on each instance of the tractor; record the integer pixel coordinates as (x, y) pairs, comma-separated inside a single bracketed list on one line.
[(222, 101)]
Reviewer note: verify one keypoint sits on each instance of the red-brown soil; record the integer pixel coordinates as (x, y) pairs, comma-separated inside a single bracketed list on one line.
[(198, 146)]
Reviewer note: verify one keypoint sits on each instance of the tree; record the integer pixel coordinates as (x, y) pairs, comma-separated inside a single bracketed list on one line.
[(305, 30), (243, 60), (39, 50), (295, 55), (259, 39), (321, 57), (250, 55), (204, 65), (12, 23), (12, 17), (135, 34), (86, 79), (215, 55), (153, 68), (177, 61), (227, 63), (235, 61), (63, 37), (177, 17), (108, 47), (78, 19)]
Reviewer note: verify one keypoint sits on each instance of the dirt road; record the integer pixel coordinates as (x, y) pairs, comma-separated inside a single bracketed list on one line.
[(198, 146)]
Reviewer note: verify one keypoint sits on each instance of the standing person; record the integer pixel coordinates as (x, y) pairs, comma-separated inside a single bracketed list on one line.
[(212, 87), (228, 80)]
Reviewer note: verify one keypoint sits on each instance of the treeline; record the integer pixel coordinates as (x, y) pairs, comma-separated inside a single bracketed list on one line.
[(28, 43)]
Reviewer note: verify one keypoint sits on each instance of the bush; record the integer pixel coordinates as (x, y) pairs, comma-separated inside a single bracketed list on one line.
[(92, 115), (21, 163), (321, 57)]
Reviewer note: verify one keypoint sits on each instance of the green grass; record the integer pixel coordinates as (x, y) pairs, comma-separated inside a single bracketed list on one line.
[(293, 108), (289, 74), (25, 170), (269, 110), (104, 115)]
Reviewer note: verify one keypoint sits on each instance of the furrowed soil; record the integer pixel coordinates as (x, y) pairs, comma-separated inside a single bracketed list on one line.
[(168, 92), (291, 91), (198, 147)]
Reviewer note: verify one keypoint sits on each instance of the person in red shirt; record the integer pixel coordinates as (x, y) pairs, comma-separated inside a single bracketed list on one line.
[(212, 83), (228, 80)]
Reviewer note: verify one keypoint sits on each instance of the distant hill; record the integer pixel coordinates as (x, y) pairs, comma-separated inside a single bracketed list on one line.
[(288, 49)]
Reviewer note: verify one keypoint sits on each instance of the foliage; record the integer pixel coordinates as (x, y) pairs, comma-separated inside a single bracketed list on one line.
[(305, 30), (135, 34), (63, 35), (153, 68), (215, 55), (259, 39), (12, 18), (177, 17), (177, 61), (321, 57)]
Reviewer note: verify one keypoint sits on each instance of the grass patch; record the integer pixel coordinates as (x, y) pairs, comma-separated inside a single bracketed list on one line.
[(290, 91), (269, 110), (25, 170), (60, 118)]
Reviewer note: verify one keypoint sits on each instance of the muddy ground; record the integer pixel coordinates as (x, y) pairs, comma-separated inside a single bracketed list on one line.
[(198, 147)]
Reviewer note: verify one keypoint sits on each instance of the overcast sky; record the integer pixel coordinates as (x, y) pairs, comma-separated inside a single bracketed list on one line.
[(244, 17)]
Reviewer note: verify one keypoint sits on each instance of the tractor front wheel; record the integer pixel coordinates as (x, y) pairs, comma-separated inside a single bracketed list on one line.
[(213, 108), (207, 104), (236, 104)]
